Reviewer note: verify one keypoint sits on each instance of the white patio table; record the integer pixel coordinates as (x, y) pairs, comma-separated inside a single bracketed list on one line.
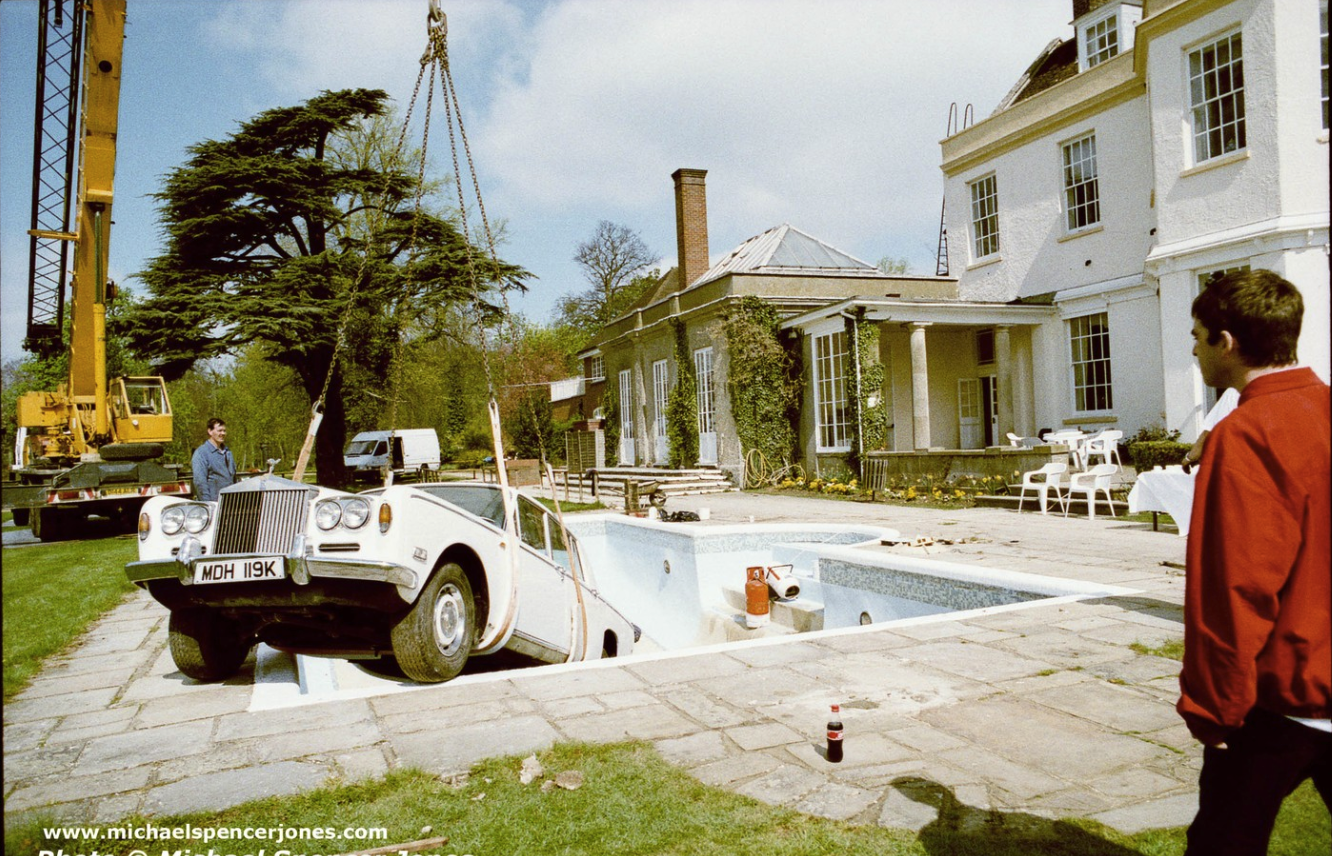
[(1167, 489)]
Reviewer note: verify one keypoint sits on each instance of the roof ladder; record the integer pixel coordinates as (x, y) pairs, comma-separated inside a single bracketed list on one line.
[(941, 257)]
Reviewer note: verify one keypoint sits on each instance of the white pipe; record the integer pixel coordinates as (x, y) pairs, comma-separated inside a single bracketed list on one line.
[(783, 585)]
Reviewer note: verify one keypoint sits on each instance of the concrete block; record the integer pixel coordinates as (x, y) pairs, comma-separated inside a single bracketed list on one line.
[(76, 788), (144, 746), (692, 669), (216, 791), (650, 723), (449, 750), (566, 684), (763, 736), (728, 772), (901, 812), (1154, 814), (784, 786), (703, 709), (1037, 737), (837, 801), (694, 749), (975, 661)]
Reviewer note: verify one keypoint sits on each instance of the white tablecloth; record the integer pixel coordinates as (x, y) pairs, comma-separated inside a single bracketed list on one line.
[(1169, 490)]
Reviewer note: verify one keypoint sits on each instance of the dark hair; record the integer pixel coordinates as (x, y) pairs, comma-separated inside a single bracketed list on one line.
[(214, 422), (1260, 309)]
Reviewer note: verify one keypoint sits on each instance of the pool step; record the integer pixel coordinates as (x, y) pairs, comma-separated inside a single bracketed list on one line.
[(799, 615)]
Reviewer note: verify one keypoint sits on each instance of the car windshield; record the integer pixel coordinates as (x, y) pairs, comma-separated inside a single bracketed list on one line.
[(359, 447), (484, 501)]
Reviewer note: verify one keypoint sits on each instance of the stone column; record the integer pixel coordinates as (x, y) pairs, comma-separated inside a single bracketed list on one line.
[(1003, 355), (920, 387)]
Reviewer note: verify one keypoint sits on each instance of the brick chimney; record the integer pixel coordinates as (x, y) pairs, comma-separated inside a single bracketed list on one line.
[(691, 224)]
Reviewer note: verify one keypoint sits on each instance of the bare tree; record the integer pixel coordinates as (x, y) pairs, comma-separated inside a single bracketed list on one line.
[(891, 266), (613, 261)]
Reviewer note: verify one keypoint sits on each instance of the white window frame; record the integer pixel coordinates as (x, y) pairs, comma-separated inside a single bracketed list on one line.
[(1082, 185), (832, 427), (984, 193), (1099, 40), (1322, 42), (1216, 105), (597, 368), (626, 403), (707, 397), (661, 390), (1090, 368)]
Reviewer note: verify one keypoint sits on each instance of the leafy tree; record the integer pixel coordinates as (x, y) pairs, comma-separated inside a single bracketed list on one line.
[(273, 239), (615, 263)]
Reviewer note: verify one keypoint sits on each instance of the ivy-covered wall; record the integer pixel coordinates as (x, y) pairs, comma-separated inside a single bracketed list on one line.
[(763, 384), (682, 403), (866, 399)]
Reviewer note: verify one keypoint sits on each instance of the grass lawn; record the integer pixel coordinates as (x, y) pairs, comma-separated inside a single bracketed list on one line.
[(631, 801), (52, 592)]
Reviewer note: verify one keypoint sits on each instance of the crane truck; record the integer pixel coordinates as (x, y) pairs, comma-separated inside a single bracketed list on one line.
[(89, 446)]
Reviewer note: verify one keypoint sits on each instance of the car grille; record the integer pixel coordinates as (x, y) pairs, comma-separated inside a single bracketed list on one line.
[(260, 521)]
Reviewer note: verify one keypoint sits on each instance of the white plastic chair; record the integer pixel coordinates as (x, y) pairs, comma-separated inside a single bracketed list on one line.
[(1071, 438), (1013, 439), (1042, 481), (1104, 444), (1091, 484)]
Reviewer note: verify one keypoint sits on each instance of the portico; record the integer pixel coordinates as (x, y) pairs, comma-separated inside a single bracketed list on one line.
[(956, 374)]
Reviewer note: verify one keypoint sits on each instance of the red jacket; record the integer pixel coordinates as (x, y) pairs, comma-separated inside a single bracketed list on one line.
[(1258, 592)]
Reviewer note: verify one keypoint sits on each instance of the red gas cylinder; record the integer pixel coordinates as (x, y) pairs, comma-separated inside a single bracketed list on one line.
[(756, 598)]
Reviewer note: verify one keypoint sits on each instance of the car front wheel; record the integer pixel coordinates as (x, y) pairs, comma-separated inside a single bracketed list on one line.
[(205, 646), (434, 639)]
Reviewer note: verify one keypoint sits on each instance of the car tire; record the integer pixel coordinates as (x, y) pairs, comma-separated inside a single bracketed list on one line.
[(205, 646), (434, 639)]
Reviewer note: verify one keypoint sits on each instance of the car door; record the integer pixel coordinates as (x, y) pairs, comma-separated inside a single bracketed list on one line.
[(545, 589)]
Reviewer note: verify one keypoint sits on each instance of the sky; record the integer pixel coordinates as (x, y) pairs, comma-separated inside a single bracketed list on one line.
[(824, 114)]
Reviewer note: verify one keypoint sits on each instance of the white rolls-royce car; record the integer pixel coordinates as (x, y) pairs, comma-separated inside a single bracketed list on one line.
[(431, 574)]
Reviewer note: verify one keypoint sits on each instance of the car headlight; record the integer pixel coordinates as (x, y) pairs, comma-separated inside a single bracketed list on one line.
[(197, 518), (354, 513), (173, 519), (327, 514)]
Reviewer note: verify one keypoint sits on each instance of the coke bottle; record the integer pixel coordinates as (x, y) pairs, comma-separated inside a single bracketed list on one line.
[(835, 735)]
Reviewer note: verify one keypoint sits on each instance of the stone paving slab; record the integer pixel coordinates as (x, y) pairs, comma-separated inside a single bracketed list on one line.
[(1042, 711)]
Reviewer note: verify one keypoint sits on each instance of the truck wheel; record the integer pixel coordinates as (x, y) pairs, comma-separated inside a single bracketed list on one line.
[(205, 646), (434, 639), (50, 524)]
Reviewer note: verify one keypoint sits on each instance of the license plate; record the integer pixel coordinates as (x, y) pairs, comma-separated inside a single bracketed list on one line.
[(238, 570), (119, 491)]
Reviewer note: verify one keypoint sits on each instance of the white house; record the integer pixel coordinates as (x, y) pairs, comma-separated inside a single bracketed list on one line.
[(1166, 140)]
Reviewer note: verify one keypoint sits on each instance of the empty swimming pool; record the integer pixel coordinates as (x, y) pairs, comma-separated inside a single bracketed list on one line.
[(683, 584)]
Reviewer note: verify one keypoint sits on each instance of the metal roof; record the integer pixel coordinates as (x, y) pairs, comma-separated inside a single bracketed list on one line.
[(786, 249)]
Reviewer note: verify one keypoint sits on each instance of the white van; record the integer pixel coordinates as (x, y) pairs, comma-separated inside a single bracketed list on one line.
[(414, 449)]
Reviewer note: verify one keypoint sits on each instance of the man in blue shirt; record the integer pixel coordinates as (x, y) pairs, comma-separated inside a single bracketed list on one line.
[(213, 466)]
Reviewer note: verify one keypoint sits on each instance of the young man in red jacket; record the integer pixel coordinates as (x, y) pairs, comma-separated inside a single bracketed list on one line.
[(1258, 595)]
